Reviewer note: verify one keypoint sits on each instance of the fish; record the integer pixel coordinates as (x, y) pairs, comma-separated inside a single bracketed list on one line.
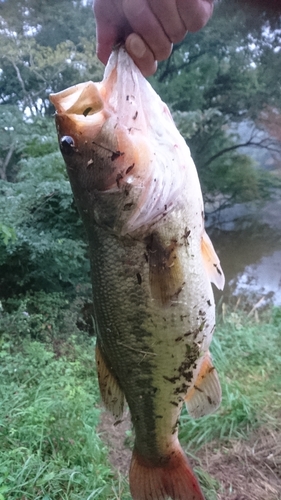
[(138, 193)]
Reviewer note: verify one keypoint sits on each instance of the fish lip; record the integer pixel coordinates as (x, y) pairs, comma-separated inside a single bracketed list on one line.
[(81, 100)]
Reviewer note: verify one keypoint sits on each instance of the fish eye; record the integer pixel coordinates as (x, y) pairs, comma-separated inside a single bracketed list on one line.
[(67, 144)]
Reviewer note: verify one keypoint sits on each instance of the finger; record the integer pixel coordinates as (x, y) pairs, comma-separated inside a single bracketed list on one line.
[(111, 26), (141, 54), (167, 14), (106, 39), (145, 24), (106, 32), (195, 13)]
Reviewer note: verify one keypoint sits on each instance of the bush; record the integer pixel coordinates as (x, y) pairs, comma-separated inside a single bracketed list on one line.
[(47, 317), (42, 243)]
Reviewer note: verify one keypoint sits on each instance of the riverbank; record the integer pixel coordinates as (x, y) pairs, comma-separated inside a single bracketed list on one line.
[(247, 238), (55, 447)]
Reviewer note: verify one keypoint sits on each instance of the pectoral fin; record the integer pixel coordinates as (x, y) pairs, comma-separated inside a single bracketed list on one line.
[(112, 395), (211, 262), (204, 397), (165, 271)]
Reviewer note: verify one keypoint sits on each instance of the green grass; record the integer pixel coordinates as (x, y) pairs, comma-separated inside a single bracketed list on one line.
[(247, 354), (49, 447), (49, 412)]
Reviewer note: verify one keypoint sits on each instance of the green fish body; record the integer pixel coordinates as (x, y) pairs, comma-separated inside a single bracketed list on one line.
[(138, 193)]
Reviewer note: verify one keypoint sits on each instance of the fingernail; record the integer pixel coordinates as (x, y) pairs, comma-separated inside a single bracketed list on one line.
[(136, 46)]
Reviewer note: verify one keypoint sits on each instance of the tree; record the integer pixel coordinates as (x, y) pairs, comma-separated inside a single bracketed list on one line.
[(44, 49), (220, 76), (40, 230), (214, 79)]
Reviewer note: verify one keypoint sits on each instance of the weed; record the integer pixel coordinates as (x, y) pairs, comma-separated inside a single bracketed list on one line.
[(247, 356), (50, 449), (48, 419)]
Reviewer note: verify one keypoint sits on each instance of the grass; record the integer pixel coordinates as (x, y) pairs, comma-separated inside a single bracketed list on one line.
[(247, 354), (49, 412), (48, 417)]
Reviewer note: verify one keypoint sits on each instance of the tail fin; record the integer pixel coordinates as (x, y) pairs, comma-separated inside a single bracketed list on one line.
[(175, 479)]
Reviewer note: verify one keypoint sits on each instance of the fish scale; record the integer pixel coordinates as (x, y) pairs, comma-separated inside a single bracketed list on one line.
[(123, 308), (138, 193)]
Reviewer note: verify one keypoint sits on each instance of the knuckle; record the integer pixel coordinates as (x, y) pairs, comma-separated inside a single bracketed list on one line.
[(163, 52), (177, 36)]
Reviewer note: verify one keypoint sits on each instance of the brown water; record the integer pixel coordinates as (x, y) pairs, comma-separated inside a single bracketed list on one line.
[(249, 248)]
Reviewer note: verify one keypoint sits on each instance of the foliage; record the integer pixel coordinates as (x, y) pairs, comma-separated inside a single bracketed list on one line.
[(30, 72), (14, 132), (223, 65), (216, 77), (44, 49), (49, 413), (47, 317), (40, 228), (247, 355), (222, 75), (50, 447), (224, 171)]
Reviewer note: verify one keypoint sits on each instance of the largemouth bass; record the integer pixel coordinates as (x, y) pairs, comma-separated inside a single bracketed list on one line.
[(138, 193)]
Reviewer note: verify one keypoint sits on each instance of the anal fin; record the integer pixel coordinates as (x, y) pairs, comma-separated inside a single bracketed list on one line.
[(112, 395), (204, 396)]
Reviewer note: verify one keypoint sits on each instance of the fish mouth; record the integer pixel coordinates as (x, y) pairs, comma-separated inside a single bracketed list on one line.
[(79, 111), (82, 100)]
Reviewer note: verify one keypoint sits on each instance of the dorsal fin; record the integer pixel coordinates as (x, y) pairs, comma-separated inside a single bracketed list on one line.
[(204, 397), (211, 262)]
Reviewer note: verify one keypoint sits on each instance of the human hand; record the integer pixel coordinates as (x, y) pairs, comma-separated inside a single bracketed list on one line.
[(148, 27)]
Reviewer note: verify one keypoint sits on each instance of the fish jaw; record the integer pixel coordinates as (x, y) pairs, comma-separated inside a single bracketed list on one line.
[(82, 99)]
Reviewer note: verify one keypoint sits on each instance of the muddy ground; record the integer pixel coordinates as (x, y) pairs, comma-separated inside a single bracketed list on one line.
[(247, 470)]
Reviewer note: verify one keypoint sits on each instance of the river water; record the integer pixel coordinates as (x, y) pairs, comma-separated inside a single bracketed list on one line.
[(247, 239)]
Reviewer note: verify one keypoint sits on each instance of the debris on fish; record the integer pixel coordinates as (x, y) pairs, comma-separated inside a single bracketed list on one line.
[(138, 193)]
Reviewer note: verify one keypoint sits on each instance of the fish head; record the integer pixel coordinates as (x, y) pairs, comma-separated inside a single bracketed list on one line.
[(126, 161), (80, 118), (104, 156)]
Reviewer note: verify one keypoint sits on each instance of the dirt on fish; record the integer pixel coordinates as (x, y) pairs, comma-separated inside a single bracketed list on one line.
[(246, 469)]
